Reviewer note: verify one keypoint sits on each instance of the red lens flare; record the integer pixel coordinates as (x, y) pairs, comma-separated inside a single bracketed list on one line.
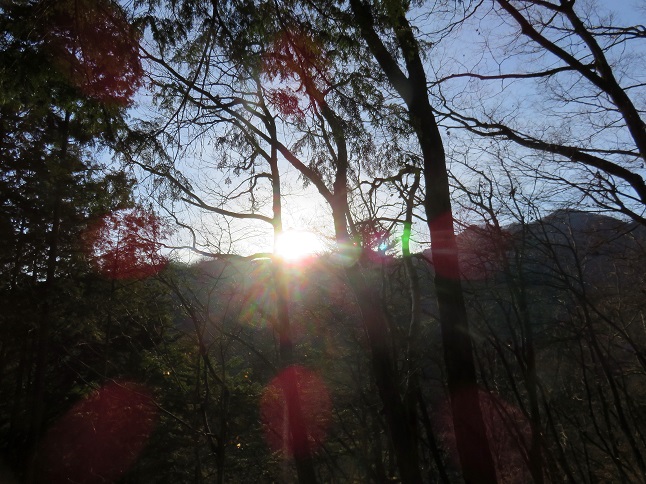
[(127, 244), (482, 251), (101, 437), (508, 432), (443, 252), (315, 405), (96, 48), (286, 102)]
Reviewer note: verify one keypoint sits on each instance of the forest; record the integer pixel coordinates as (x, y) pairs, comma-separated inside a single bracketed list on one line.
[(322, 241)]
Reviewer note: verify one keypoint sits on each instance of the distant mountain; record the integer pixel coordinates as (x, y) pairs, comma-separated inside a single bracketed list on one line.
[(607, 253), (568, 240)]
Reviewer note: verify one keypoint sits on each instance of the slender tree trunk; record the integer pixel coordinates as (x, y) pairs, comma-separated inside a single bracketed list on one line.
[(44, 325), (531, 382), (296, 421), (468, 422), (16, 434), (412, 344), (108, 326), (379, 338), (432, 442), (374, 321), (42, 348), (470, 432), (526, 358), (20, 397)]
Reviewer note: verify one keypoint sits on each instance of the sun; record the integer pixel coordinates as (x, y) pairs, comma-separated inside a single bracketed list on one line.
[(295, 245)]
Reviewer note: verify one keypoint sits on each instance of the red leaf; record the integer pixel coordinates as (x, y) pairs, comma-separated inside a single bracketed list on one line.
[(98, 50), (126, 244)]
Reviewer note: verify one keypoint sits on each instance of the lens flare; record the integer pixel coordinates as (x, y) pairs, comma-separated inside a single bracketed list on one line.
[(506, 426), (295, 245), (101, 437), (315, 403)]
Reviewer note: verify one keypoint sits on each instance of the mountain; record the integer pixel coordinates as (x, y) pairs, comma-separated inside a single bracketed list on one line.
[(597, 245)]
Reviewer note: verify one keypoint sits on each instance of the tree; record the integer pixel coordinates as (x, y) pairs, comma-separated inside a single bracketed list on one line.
[(92, 44), (469, 427), (252, 135), (50, 186), (578, 64), (293, 51), (127, 244), (537, 288), (255, 121)]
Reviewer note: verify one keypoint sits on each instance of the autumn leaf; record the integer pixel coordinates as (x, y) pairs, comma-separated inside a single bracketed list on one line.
[(96, 48), (126, 244)]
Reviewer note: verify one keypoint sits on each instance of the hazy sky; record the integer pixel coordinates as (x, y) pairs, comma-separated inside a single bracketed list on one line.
[(304, 208)]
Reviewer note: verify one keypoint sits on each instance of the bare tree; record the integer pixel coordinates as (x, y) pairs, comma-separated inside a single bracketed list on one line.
[(563, 82), (557, 333)]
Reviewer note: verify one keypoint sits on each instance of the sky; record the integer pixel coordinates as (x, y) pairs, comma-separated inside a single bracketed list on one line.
[(304, 209)]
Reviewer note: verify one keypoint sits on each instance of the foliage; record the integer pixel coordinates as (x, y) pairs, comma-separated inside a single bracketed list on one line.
[(127, 244), (95, 47), (120, 364)]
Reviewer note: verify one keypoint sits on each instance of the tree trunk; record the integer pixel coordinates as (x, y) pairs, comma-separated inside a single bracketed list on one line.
[(470, 432), (295, 419), (44, 324), (468, 422)]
